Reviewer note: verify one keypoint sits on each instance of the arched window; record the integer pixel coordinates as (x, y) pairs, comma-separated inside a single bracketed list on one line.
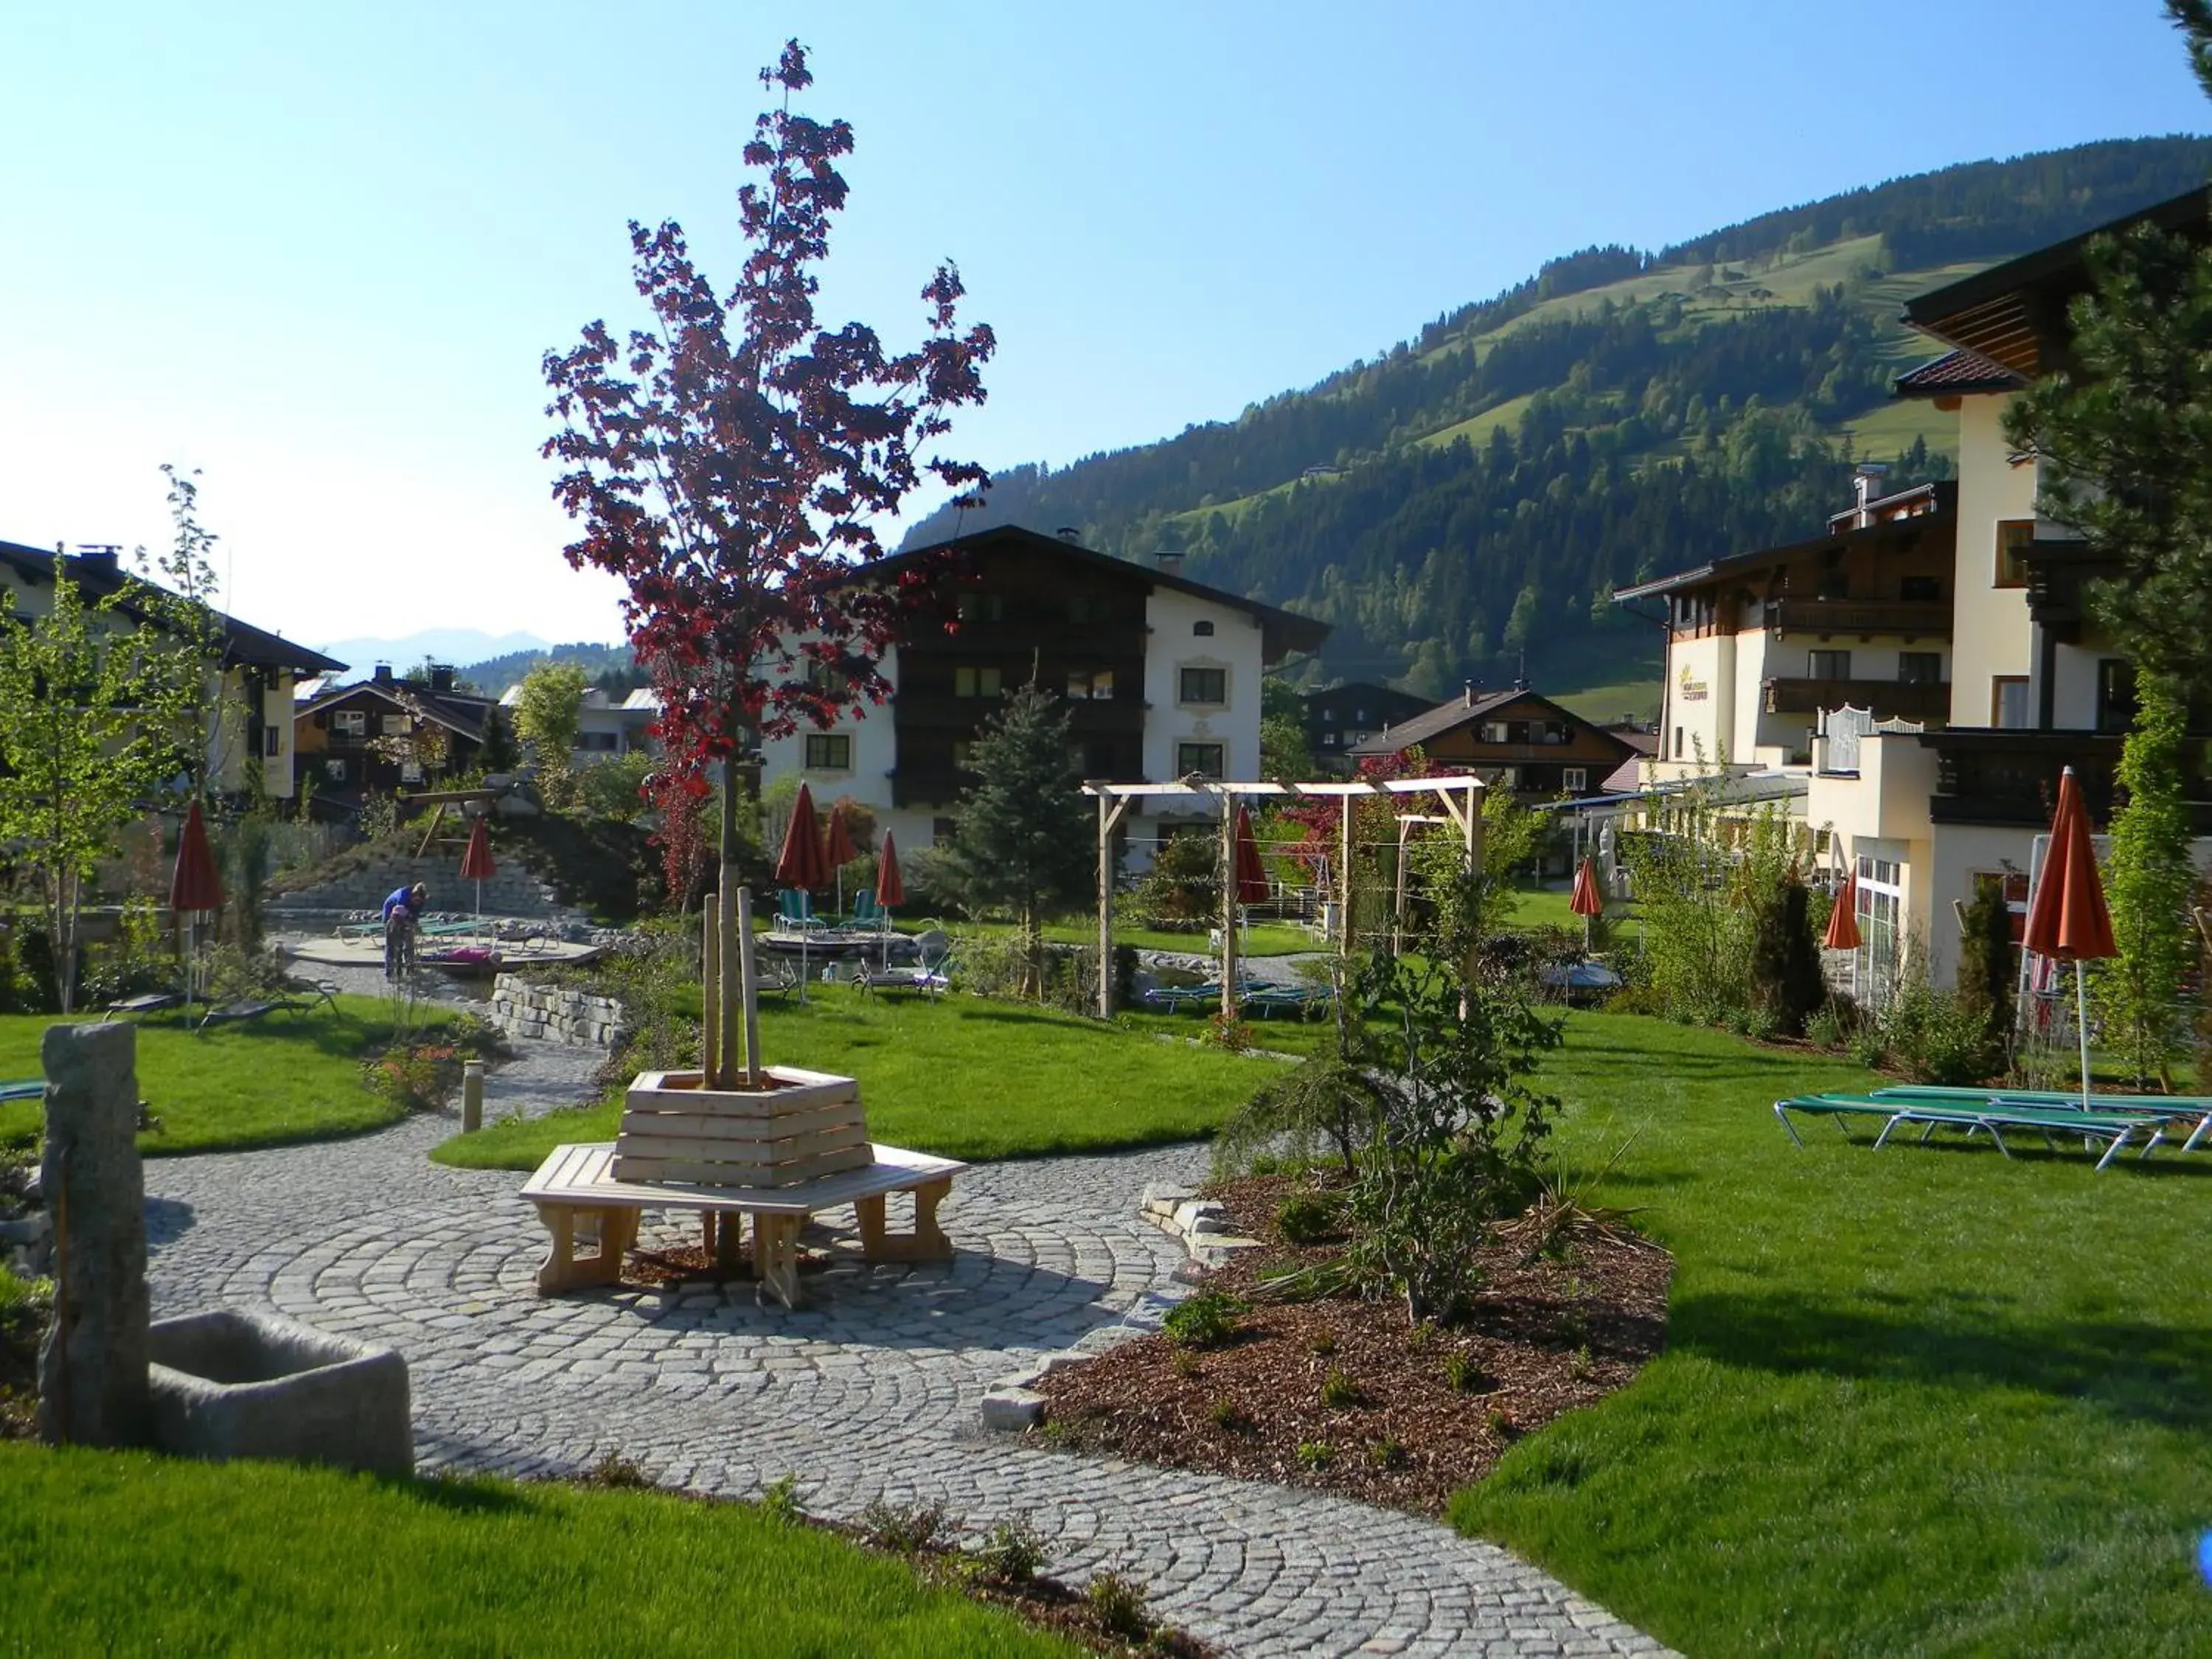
[(1203, 630)]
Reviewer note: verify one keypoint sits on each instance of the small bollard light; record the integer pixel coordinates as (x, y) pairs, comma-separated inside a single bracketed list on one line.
[(471, 1095)]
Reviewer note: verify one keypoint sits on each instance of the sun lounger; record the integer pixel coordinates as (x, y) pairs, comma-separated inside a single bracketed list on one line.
[(1992, 1118), (1174, 999), (2172, 1108), (1299, 999), (867, 917), (795, 913), (152, 1003), (234, 1013), (27, 1088), (313, 991)]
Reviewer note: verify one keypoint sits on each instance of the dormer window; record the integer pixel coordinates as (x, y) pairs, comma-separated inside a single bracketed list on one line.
[(1203, 630)]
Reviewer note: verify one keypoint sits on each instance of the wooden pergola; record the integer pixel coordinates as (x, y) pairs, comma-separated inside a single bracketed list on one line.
[(1460, 796)]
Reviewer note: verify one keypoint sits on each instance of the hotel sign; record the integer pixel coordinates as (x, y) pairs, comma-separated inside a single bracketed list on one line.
[(1693, 690)]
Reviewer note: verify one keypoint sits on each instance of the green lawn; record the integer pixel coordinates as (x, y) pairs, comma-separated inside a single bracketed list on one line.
[(286, 1077), (1260, 940), (125, 1553), (1551, 908), (1917, 1402), (963, 1077)]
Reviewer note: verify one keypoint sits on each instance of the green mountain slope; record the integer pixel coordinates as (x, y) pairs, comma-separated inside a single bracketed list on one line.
[(1470, 500)]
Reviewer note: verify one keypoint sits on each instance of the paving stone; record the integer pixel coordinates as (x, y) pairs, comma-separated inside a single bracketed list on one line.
[(877, 1386)]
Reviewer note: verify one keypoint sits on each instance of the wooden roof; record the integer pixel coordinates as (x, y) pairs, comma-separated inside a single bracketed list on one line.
[(2015, 314)]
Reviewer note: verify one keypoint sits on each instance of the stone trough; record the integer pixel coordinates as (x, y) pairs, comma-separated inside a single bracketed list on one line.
[(238, 1384)]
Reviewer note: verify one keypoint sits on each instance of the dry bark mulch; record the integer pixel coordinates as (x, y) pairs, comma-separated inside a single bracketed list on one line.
[(1551, 1332)]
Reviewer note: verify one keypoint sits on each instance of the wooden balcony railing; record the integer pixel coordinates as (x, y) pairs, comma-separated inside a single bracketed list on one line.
[(1912, 619), (1904, 700)]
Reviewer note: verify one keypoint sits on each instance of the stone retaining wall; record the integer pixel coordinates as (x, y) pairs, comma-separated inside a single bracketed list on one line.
[(556, 1013), (513, 892)]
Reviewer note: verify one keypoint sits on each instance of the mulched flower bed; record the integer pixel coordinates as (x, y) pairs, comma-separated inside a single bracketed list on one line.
[(1343, 1394), (22, 1326)]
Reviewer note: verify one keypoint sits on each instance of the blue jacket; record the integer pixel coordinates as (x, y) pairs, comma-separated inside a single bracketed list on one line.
[(402, 897)]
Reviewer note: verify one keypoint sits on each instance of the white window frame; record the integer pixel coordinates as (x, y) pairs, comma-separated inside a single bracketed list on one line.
[(1574, 778), (353, 722), (1879, 905), (829, 742)]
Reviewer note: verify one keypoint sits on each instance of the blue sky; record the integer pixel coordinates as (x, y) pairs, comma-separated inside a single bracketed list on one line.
[(319, 251)]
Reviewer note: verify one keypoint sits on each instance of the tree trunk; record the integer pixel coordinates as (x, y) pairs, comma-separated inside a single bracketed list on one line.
[(63, 920), (732, 983)]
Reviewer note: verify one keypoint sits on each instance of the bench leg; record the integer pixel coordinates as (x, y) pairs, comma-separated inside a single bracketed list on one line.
[(562, 1270), (930, 1243), (776, 1256), (557, 1272), (927, 1243)]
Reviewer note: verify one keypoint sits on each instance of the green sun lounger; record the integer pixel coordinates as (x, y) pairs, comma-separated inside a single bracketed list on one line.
[(2196, 1110), (1993, 1118), (1299, 999), (27, 1088)]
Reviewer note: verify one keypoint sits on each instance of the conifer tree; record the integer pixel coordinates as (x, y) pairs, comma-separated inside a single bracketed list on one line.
[(1021, 837), (1986, 967), (2122, 440), (2150, 880)]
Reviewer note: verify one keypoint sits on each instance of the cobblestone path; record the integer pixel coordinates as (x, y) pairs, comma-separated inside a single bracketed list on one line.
[(871, 1390)]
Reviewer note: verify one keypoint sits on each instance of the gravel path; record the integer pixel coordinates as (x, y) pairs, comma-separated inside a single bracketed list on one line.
[(872, 1389)]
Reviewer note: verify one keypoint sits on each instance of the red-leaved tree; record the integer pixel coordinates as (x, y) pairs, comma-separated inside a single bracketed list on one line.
[(732, 462)]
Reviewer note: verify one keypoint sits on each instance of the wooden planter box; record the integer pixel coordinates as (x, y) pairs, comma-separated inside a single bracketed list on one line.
[(806, 1125)]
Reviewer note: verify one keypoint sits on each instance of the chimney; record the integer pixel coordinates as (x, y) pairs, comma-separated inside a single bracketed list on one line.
[(1467, 694), (1069, 534), (1866, 487), (441, 677), (381, 674), (1171, 559), (96, 559)]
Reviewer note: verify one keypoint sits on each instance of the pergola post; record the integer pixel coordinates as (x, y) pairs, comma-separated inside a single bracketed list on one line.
[(1109, 818), (1344, 874), (1228, 908)]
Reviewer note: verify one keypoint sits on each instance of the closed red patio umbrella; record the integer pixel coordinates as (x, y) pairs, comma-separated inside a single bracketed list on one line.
[(799, 864), (1587, 901), (194, 886), (1842, 933), (891, 888), (2067, 917), (476, 863)]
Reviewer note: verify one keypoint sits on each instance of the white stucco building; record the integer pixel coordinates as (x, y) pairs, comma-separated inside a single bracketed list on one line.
[(1982, 689), (1161, 674)]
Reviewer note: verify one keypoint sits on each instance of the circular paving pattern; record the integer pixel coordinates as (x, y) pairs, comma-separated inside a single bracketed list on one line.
[(872, 1389)]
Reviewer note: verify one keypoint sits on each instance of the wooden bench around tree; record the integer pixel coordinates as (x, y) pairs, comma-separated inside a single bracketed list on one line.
[(577, 1183)]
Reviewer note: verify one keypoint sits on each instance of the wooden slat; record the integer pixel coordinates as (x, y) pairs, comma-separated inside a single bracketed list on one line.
[(697, 1173), (784, 1149), (714, 1125), (894, 1169)]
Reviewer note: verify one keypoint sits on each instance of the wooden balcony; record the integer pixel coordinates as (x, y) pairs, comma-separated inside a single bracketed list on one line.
[(1904, 700), (1863, 618), (1086, 715), (1993, 776)]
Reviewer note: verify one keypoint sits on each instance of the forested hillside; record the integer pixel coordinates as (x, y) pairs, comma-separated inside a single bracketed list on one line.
[(608, 665), (1481, 489)]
